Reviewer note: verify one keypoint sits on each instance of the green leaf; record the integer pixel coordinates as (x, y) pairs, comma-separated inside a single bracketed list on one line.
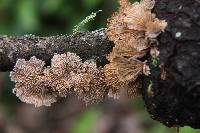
[(26, 16)]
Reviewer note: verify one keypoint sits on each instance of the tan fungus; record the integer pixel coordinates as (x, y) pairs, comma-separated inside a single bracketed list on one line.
[(131, 29)]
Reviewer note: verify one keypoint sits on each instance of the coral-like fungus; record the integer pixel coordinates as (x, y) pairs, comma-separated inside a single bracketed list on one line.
[(132, 30), (39, 85), (120, 74), (90, 88), (31, 86), (90, 85)]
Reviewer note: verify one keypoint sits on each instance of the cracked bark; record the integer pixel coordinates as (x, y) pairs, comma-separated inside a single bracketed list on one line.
[(88, 45), (175, 101)]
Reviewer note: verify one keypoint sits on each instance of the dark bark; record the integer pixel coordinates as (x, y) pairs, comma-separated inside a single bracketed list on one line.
[(176, 100), (88, 45)]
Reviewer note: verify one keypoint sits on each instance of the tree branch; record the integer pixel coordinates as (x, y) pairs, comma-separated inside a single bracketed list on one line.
[(174, 100), (88, 45)]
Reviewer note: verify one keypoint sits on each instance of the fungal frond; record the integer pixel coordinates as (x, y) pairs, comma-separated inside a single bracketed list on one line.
[(40, 85), (131, 29), (31, 86)]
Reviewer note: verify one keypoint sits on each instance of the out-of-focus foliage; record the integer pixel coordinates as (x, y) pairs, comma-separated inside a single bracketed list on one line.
[(86, 120), (52, 17), (49, 17)]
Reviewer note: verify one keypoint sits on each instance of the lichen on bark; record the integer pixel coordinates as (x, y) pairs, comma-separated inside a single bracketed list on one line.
[(87, 45)]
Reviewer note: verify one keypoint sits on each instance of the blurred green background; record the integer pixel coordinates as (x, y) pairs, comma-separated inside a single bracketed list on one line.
[(53, 17)]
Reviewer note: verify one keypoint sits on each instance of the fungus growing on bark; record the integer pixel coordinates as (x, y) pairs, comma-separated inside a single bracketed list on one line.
[(63, 68), (131, 29), (90, 85), (39, 85), (90, 88), (31, 86), (120, 73)]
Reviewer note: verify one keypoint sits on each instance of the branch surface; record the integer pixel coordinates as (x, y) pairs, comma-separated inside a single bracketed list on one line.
[(175, 101), (87, 45)]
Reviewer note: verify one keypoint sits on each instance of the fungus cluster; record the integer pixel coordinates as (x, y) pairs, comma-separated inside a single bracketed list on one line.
[(132, 29), (40, 85)]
